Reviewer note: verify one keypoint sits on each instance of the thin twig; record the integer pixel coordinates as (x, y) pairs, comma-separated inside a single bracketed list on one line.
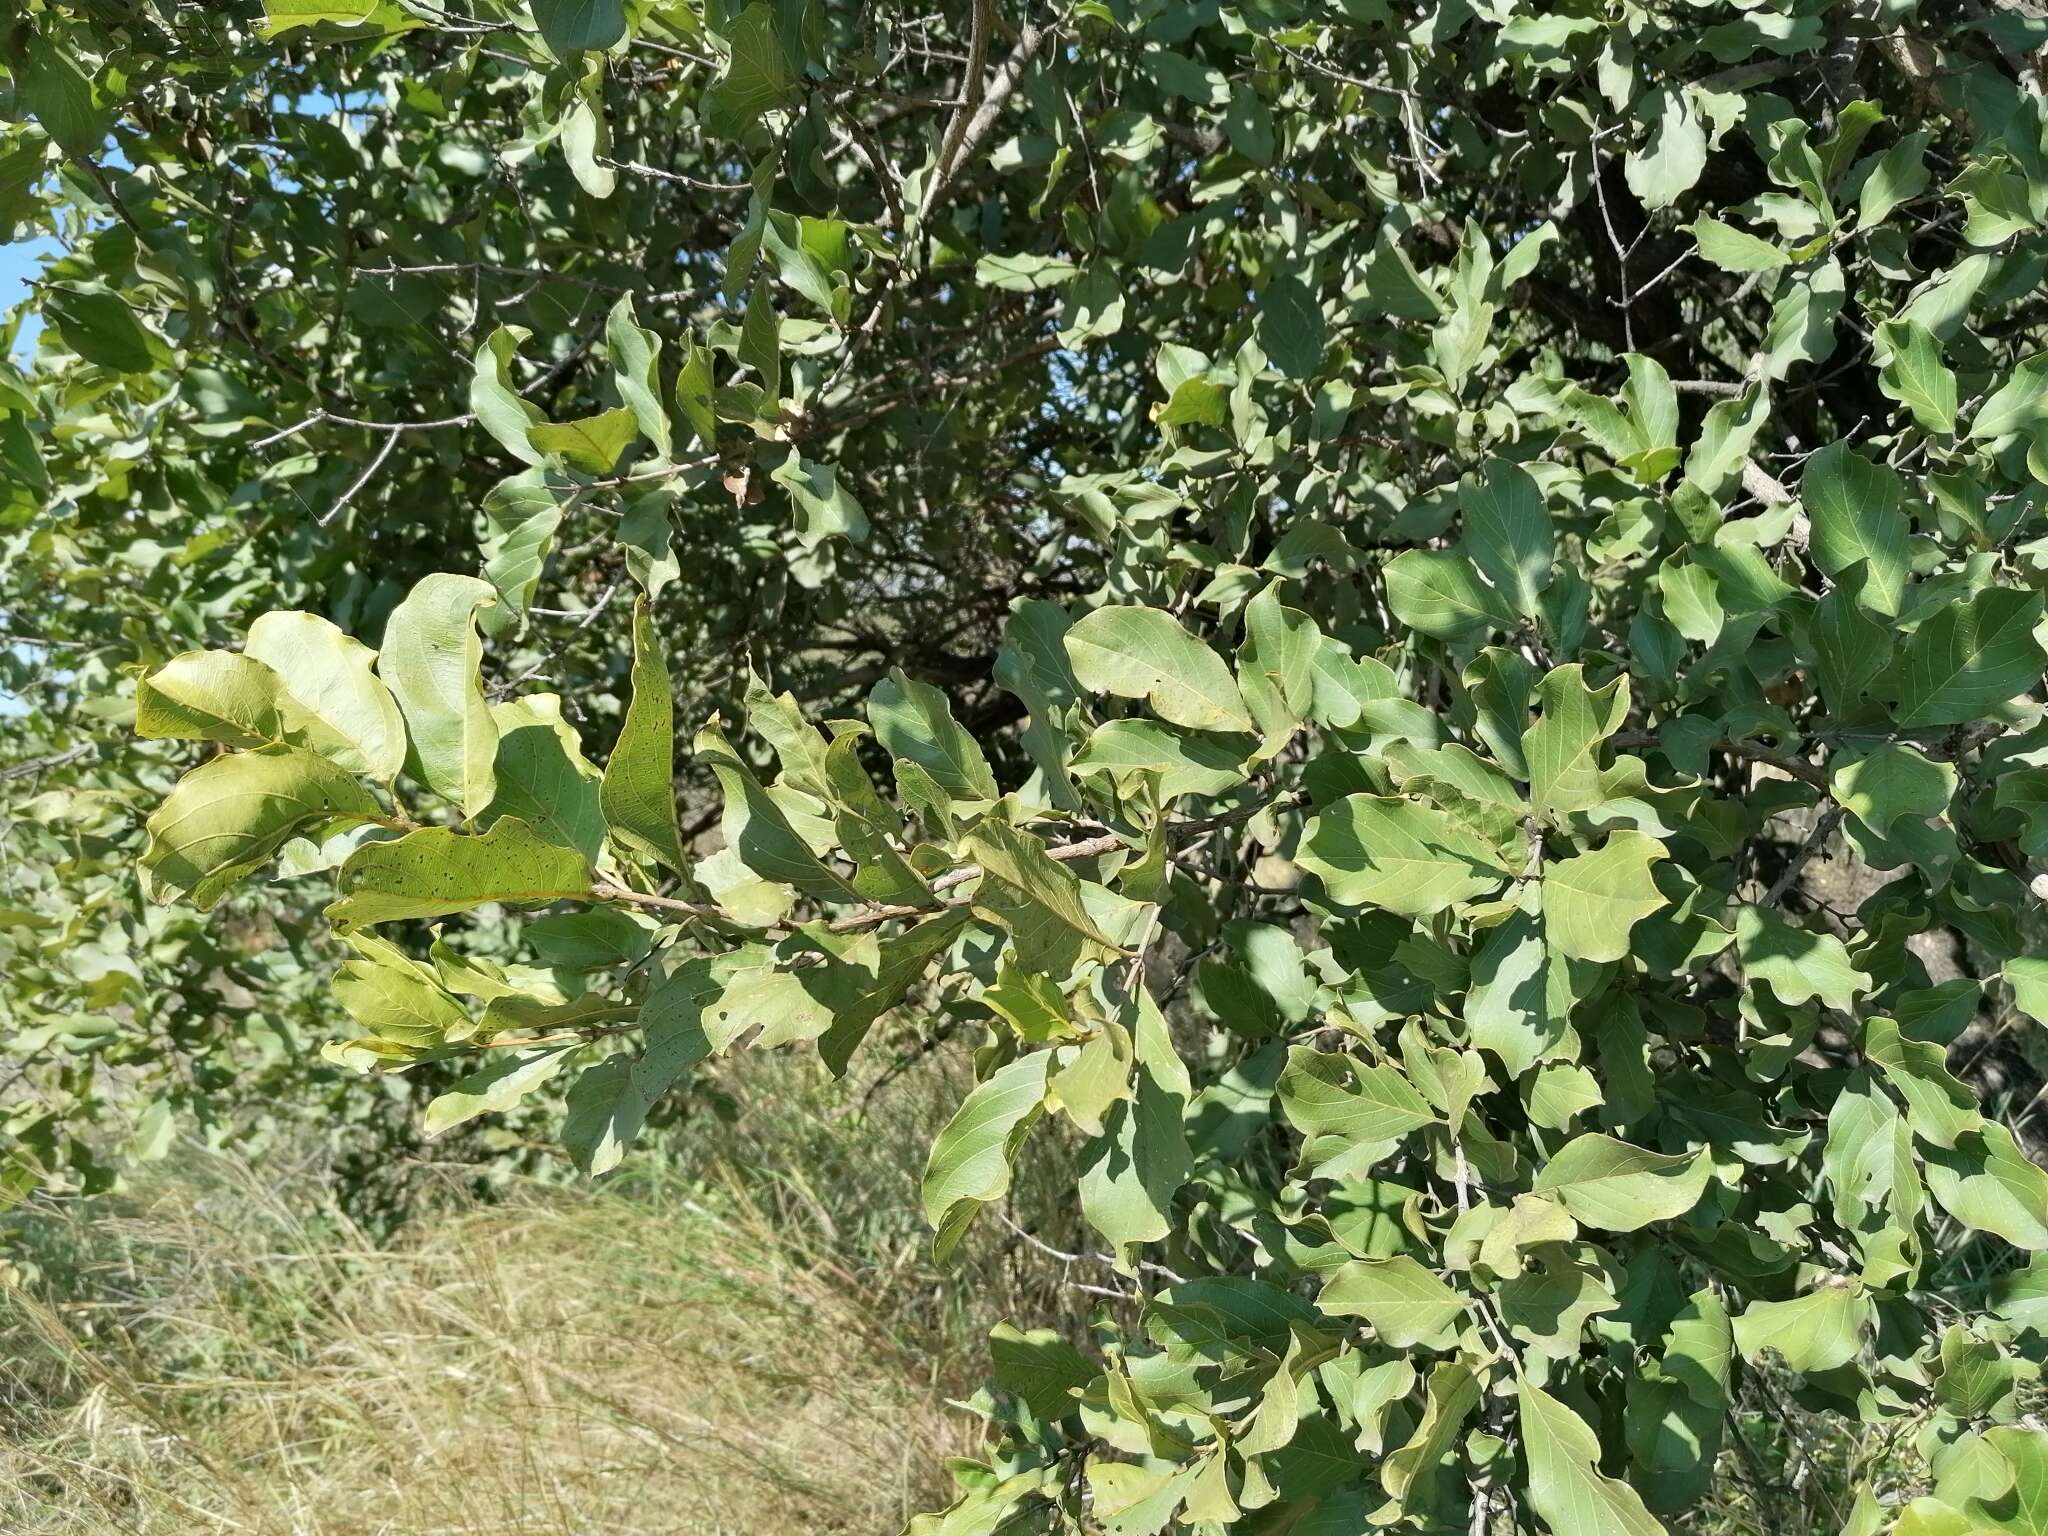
[(605, 890), (34, 765), (341, 502), (1823, 828)]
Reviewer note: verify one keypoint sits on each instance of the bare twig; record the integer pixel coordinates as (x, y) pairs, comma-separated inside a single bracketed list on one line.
[(605, 890), (1823, 828), (341, 502), (1001, 84), (30, 766)]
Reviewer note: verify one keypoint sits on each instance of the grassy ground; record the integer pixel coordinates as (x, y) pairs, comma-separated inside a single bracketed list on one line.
[(742, 1336)]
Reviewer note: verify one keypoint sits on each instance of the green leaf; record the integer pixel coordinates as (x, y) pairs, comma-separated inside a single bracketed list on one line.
[(543, 777), (1940, 1109), (758, 830), (1723, 444), (1563, 747), (231, 814), (1131, 1172), (1409, 1473), (1989, 1185), (570, 25), (2017, 405), (101, 328), (339, 707), (1676, 1405), (1404, 1303), (1850, 648), (1592, 900), (638, 796), (1566, 1486), (1373, 850), (1128, 751), (1094, 309), (1037, 899), (1276, 666), (971, 1162), (1916, 376), (2020, 1296), (1616, 1187), (1976, 1375), (1026, 272), (493, 1088), (497, 405), (610, 1102), (1798, 963), (694, 386), (1802, 325), (1967, 658), (1891, 781), (1562, 1288), (396, 998), (594, 444), (1899, 176), (1196, 402), (1349, 1111), (1735, 250), (1039, 1367), (2027, 975), (1818, 1331), (824, 508), (901, 960), (1144, 653), (1290, 327), (914, 721), (1438, 593), (1673, 152), (636, 354), (210, 696), (1854, 505), (756, 79), (523, 512), (1639, 431), (54, 85), (1521, 995), (1691, 602), (435, 871), (432, 662), (282, 16), (1507, 532)]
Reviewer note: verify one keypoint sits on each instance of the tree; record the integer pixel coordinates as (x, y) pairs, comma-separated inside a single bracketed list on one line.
[(1326, 579)]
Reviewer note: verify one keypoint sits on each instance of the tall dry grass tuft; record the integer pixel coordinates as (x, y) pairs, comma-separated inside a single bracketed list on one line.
[(708, 1356)]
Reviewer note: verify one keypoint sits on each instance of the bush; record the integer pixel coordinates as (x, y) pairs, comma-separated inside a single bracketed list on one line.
[(1424, 626)]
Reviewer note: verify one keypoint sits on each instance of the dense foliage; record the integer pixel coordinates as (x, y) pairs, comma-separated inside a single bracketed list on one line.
[(1424, 624)]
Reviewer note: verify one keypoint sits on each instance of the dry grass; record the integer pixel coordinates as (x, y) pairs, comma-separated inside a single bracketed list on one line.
[(226, 1353)]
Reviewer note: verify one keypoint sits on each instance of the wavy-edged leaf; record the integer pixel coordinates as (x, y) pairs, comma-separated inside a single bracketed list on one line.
[(1404, 1303), (638, 794), (435, 871), (970, 1164), (229, 816), (1381, 851), (1617, 1187), (1592, 900), (1144, 653), (1818, 1331), (210, 696), (1566, 1486), (1967, 658), (432, 661), (343, 709), (1439, 593)]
